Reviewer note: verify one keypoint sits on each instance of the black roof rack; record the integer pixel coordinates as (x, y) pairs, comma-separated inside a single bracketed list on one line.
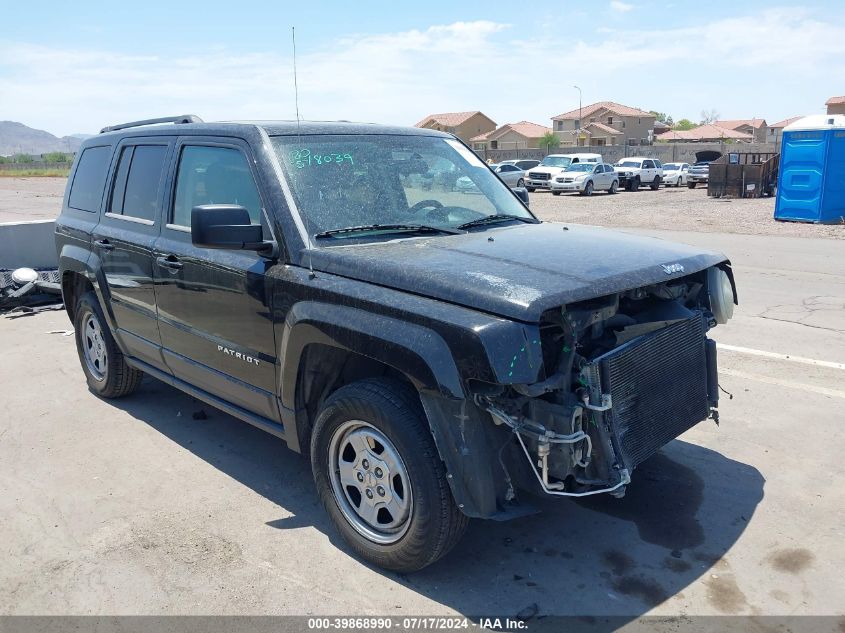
[(183, 118)]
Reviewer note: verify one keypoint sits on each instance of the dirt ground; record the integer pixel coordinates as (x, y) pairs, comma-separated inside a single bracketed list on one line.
[(30, 198), (676, 209)]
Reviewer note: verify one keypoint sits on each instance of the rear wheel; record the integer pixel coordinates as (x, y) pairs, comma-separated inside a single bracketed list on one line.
[(105, 369), (380, 477), (614, 187), (655, 184)]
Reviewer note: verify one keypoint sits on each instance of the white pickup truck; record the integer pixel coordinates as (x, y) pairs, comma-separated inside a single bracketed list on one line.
[(635, 171), (541, 176)]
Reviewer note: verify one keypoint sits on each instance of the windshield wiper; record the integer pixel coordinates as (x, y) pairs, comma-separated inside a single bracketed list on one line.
[(388, 228), (493, 219)]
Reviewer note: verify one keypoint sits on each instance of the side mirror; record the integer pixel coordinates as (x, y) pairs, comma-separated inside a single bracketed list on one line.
[(226, 226), (522, 194)]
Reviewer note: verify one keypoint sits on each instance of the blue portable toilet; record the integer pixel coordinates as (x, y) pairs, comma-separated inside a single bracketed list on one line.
[(811, 183)]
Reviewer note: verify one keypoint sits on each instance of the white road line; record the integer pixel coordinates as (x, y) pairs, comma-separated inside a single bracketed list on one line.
[(784, 383), (794, 359)]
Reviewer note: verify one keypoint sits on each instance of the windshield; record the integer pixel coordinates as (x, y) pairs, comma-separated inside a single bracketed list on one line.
[(556, 161), (341, 181), (671, 167), (628, 163), (581, 167)]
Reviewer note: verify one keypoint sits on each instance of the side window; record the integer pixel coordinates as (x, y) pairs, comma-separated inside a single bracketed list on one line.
[(648, 164), (137, 182), (86, 191), (658, 164), (213, 175)]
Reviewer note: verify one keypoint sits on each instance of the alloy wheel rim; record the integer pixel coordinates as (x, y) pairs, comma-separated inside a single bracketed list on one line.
[(94, 347), (370, 482)]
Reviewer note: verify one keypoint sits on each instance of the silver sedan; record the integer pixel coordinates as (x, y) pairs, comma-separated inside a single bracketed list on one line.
[(512, 175)]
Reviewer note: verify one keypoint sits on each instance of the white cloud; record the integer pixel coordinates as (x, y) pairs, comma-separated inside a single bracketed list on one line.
[(745, 67), (623, 7)]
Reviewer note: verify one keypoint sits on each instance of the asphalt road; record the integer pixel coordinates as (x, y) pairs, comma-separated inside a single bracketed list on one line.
[(135, 507)]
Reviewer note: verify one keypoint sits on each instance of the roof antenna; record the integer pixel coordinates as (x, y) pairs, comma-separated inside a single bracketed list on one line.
[(311, 274)]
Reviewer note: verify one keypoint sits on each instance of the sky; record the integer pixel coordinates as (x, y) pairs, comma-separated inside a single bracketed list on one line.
[(75, 67)]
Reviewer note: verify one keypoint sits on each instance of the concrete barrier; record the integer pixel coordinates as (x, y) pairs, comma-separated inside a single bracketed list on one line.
[(28, 244)]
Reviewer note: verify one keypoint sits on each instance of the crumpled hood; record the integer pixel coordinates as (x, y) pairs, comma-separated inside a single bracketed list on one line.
[(523, 271)]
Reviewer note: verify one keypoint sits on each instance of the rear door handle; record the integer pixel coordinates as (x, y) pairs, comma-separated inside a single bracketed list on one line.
[(170, 262), (104, 244)]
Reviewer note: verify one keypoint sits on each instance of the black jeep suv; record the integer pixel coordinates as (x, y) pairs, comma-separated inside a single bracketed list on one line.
[(436, 352)]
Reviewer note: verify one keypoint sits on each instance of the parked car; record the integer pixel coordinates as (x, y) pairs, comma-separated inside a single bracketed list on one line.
[(435, 360), (553, 165), (586, 178), (523, 163), (636, 171), (675, 174), (512, 175), (699, 173)]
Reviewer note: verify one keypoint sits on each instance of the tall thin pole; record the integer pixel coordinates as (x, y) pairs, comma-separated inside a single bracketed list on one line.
[(578, 140)]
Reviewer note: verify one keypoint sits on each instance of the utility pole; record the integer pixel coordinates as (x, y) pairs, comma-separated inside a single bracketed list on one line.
[(578, 139)]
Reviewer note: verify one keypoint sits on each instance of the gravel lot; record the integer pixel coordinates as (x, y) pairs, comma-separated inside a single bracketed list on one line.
[(680, 209), (677, 209)]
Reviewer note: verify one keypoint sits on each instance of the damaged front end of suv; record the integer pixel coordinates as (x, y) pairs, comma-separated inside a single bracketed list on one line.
[(626, 373)]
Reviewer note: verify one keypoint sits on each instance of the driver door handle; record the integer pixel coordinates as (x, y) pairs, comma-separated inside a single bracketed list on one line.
[(170, 262), (104, 245)]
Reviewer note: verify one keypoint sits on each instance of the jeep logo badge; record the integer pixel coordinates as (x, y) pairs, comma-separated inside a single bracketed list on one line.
[(670, 269)]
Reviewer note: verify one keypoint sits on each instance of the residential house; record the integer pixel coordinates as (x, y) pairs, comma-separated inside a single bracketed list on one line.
[(661, 128), (464, 125), (835, 105), (706, 133), (522, 135), (605, 123), (775, 130), (755, 127)]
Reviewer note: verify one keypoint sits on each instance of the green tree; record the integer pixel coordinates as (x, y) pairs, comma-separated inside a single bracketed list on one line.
[(663, 117), (549, 140), (684, 124), (56, 157)]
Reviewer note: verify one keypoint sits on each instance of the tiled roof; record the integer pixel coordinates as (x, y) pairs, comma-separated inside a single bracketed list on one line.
[(448, 119), (733, 124), (705, 132), (523, 128), (786, 122), (835, 101), (616, 108), (603, 128)]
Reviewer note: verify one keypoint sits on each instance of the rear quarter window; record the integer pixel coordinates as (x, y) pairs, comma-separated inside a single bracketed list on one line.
[(86, 190)]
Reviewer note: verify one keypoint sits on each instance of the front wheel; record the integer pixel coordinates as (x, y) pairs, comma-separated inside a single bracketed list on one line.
[(555, 193), (531, 189), (105, 369), (380, 477), (588, 189), (520, 183), (691, 184)]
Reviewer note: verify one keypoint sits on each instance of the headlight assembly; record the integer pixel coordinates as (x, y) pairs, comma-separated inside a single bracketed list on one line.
[(721, 294)]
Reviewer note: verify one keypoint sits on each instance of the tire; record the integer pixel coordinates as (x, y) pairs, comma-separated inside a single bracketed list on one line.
[(353, 423), (614, 187), (691, 185), (555, 193), (105, 369), (655, 184), (633, 184), (531, 189), (520, 183), (588, 189)]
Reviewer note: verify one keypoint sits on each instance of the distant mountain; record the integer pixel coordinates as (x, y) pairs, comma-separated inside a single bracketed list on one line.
[(17, 138)]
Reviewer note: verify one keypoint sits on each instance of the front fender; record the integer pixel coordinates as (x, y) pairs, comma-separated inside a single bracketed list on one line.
[(417, 352)]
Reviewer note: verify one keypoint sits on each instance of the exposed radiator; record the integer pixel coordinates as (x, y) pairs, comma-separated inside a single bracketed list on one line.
[(658, 387)]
